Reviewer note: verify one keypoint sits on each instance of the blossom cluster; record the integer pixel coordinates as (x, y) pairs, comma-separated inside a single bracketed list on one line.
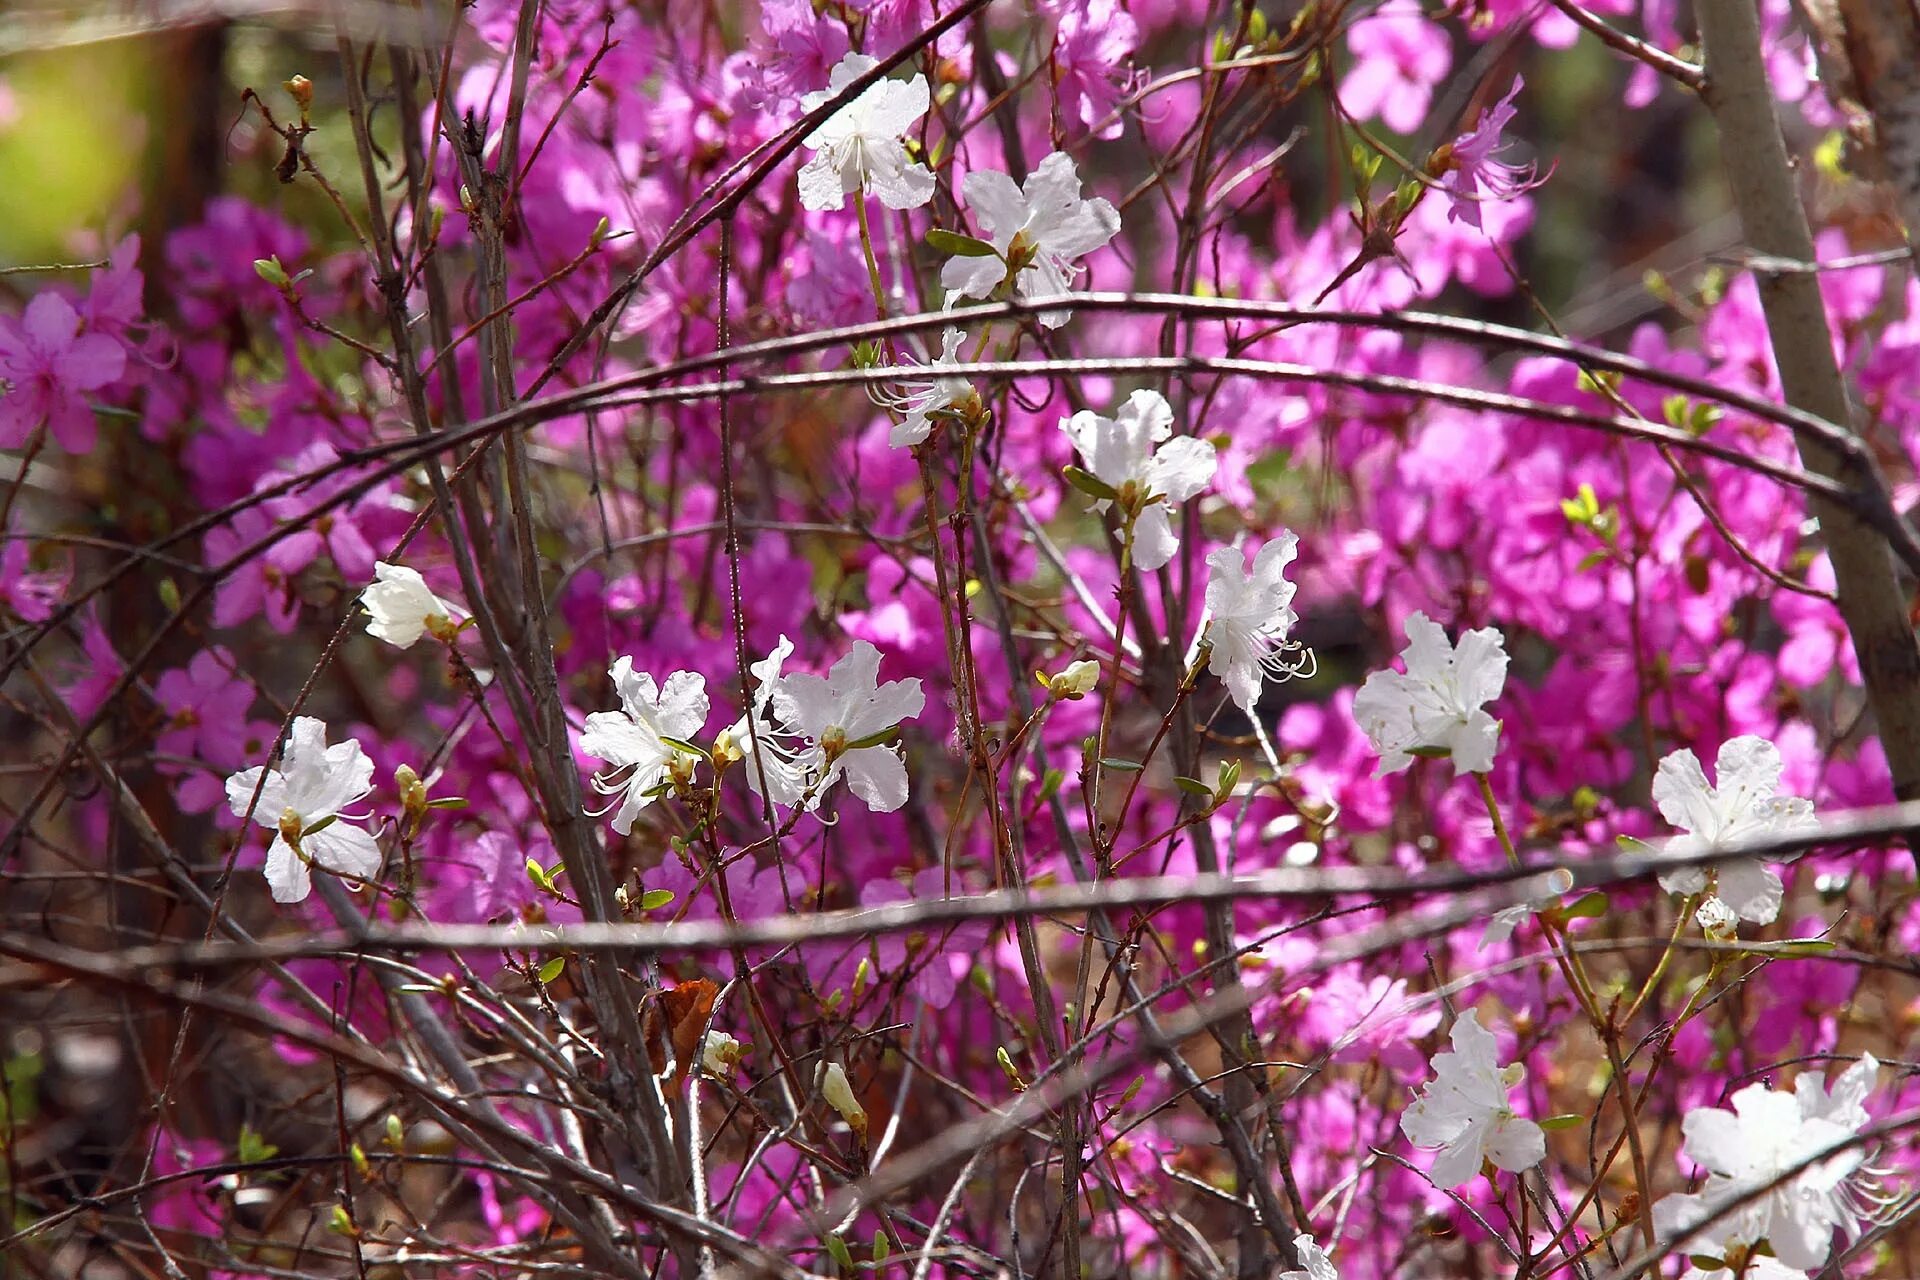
[(729, 411)]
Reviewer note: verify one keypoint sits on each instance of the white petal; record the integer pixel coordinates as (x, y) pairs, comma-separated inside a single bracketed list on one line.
[(1516, 1144), (967, 277), (344, 849), (1154, 541), (820, 184), (878, 776), (683, 705), (1753, 892), (1182, 468), (287, 874), (1460, 1160), (1681, 792), (997, 205), (273, 795)]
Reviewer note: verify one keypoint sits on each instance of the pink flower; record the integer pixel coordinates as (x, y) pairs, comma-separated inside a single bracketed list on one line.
[(941, 957), (49, 366), (1091, 50), (29, 596), (1399, 56), (206, 706), (1477, 174)]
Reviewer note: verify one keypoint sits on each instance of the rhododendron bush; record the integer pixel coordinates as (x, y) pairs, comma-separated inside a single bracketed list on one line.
[(968, 638)]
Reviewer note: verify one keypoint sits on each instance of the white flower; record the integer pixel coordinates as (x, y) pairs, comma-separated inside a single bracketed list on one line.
[(1504, 922), (841, 716), (1319, 1265), (1120, 452), (1251, 616), (921, 398), (1464, 1111), (312, 784), (634, 736), (1437, 706), (1742, 807), (399, 605), (718, 1052), (786, 779), (1038, 230), (859, 147), (1751, 1147)]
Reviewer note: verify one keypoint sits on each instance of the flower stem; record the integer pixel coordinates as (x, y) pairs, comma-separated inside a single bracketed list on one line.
[(873, 263)]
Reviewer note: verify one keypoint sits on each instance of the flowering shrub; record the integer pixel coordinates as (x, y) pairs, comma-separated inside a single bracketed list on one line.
[(619, 426)]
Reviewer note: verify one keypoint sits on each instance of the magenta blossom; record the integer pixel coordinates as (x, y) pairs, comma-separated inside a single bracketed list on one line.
[(49, 366), (1476, 174)]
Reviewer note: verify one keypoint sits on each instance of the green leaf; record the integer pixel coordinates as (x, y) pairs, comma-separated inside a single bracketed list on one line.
[(1229, 779), (551, 970), (963, 246), (1123, 766), (881, 1247), (270, 270), (1562, 1122), (1193, 786), (1674, 410), (681, 744), (252, 1148), (538, 874), (1050, 784), (448, 802), (1804, 947), (838, 1248), (1591, 907), (1090, 484), (654, 899), (1707, 1262), (1430, 753)]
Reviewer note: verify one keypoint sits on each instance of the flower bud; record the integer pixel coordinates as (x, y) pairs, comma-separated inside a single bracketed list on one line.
[(1075, 681), (300, 89), (839, 1095)]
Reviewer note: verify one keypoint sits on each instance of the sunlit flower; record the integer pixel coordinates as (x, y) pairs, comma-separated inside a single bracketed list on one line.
[(1743, 807), (766, 758), (921, 398), (400, 606), (1133, 454), (635, 737), (1251, 615), (718, 1054), (1475, 175), (1747, 1152), (300, 801), (1438, 706), (860, 147), (846, 718), (1464, 1110), (1038, 231), (48, 366)]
